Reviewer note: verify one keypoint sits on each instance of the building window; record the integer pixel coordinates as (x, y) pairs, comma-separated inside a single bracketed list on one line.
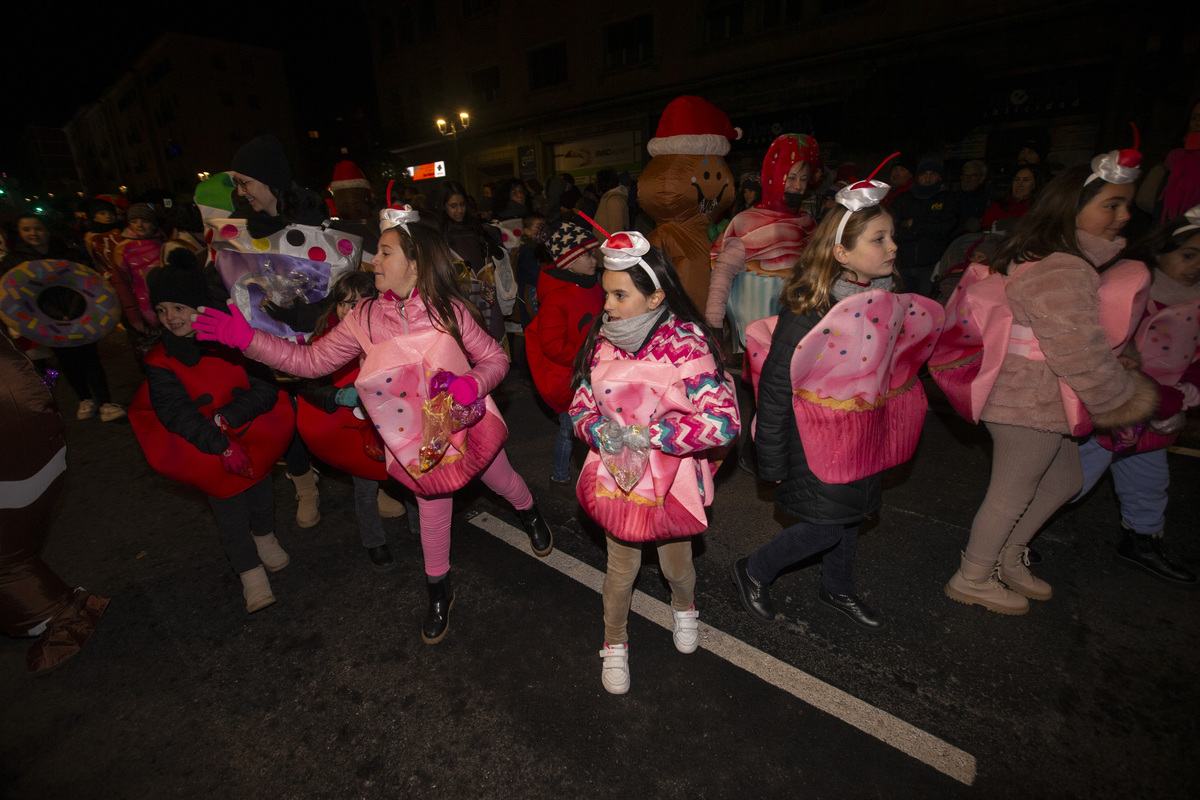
[(548, 66), (723, 20), (472, 7), (485, 85), (629, 43), (314, 134)]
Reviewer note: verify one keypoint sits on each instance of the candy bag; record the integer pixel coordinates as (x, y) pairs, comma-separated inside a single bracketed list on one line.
[(435, 430), (625, 451), (460, 416)]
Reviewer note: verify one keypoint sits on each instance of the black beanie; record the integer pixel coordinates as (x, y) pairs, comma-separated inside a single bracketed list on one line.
[(179, 281), (262, 158)]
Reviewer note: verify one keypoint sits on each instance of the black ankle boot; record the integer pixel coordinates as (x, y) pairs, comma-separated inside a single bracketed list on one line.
[(1150, 555), (441, 600), (541, 539)]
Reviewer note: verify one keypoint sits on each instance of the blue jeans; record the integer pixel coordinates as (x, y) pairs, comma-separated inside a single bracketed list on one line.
[(366, 508), (563, 445), (805, 539), (1141, 480)]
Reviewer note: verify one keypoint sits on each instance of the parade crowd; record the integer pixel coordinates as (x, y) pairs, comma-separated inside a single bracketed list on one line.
[(365, 330)]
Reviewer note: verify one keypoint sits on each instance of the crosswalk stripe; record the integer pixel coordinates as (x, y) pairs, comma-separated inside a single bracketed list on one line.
[(891, 730)]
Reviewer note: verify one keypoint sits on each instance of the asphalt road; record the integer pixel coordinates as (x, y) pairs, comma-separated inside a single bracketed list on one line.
[(331, 693)]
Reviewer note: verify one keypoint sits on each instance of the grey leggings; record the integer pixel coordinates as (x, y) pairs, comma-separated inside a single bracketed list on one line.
[(1033, 474)]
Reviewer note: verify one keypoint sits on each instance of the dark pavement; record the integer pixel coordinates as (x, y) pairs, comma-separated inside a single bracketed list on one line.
[(331, 692)]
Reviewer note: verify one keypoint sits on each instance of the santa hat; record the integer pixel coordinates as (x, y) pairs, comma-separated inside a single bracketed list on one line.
[(347, 175), (693, 126)]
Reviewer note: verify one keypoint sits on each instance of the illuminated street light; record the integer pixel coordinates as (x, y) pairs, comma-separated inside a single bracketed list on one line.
[(450, 129)]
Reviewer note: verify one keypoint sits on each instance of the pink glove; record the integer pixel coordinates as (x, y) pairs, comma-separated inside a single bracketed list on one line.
[(464, 390), (228, 328), (1191, 395), (236, 461), (1172, 424)]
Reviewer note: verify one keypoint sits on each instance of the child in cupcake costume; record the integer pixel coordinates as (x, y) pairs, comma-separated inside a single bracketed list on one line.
[(426, 359), (656, 407), (1032, 350), (1166, 340), (838, 399)]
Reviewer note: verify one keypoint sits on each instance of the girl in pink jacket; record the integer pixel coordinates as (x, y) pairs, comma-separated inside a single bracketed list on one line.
[(656, 407), (419, 326)]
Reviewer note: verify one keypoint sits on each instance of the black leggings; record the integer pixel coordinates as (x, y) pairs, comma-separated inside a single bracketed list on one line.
[(82, 368), (242, 516)]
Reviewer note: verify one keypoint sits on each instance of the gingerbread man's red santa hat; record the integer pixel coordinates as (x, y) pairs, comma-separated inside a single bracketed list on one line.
[(691, 125)]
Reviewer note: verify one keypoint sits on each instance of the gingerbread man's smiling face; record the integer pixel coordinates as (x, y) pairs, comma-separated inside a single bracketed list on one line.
[(679, 187)]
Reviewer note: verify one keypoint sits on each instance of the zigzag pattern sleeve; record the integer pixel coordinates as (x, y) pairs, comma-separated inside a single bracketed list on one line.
[(716, 422), (585, 414)]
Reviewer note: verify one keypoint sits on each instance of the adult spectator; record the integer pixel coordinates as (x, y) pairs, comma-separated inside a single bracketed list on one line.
[(1025, 184), (511, 200), (972, 196), (925, 216), (612, 213), (476, 244)]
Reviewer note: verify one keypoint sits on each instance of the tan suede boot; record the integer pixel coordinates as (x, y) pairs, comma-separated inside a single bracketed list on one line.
[(389, 507), (1014, 571), (256, 589), (977, 585), (273, 556), (307, 514)]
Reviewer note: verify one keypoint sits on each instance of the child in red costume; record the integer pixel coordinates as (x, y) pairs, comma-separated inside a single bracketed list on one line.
[(571, 299), (208, 418)]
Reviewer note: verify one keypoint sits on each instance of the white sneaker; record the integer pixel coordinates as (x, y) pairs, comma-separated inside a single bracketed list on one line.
[(87, 409), (687, 632), (615, 673), (111, 411)]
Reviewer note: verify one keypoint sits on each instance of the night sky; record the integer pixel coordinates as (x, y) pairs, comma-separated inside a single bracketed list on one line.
[(56, 60)]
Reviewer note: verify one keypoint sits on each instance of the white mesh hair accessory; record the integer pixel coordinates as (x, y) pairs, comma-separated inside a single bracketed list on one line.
[(860, 195), (398, 217), (1118, 166), (1193, 221), (624, 249)]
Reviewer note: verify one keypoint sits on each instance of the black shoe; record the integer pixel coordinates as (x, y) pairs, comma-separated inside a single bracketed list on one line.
[(849, 604), (1150, 555), (381, 557), (541, 539), (437, 621), (755, 596), (748, 457)]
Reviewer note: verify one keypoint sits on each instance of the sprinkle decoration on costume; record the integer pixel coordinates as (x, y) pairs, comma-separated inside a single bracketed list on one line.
[(22, 286)]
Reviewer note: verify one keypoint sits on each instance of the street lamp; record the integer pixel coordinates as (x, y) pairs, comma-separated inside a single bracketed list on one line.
[(450, 129)]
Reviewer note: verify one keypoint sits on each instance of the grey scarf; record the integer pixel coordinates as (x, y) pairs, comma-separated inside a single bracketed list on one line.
[(630, 334), (844, 288)]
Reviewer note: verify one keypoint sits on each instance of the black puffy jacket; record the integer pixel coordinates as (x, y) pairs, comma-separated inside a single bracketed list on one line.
[(780, 452)]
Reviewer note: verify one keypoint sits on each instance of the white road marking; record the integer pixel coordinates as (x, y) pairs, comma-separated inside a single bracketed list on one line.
[(890, 730)]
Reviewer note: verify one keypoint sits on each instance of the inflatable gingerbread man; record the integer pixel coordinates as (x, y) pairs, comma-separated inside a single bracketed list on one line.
[(687, 185)]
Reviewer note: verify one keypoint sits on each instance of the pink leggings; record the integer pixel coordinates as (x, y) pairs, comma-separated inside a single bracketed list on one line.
[(438, 510)]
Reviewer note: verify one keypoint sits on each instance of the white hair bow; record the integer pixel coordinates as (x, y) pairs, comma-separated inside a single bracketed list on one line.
[(398, 217), (1118, 166), (1193, 221), (624, 250), (860, 195)]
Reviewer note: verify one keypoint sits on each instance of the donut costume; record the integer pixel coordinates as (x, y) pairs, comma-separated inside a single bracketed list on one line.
[(22, 287)]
